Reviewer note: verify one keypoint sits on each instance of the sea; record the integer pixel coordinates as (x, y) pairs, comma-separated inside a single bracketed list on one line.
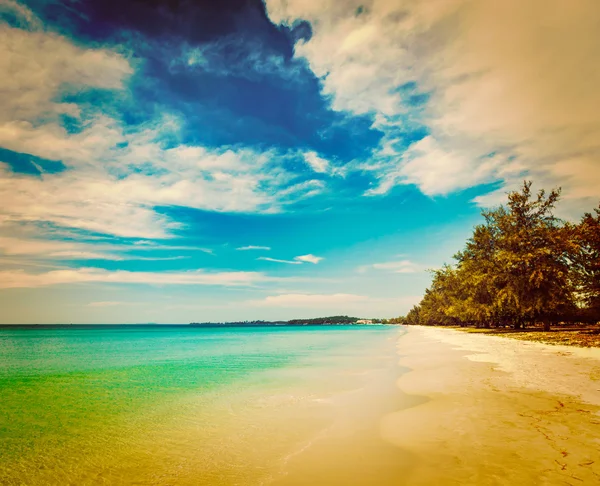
[(194, 406)]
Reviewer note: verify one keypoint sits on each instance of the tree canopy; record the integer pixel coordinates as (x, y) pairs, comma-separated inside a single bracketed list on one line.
[(522, 265)]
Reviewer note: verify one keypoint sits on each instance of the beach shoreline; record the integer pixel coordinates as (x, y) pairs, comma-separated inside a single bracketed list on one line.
[(497, 411), (393, 407), (201, 406), (350, 451)]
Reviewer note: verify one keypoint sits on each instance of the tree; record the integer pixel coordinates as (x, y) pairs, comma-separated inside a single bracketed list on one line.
[(532, 256), (587, 262), (414, 316), (516, 267), (478, 270)]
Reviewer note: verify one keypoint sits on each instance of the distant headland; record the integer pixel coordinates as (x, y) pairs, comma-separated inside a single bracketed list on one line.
[(317, 321)]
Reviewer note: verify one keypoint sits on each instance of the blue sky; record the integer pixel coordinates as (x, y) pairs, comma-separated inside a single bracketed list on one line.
[(177, 161)]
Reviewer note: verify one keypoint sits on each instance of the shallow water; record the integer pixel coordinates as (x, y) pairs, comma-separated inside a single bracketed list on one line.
[(184, 406)]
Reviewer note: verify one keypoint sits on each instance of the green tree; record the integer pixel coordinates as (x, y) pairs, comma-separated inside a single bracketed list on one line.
[(587, 262), (516, 267), (414, 316), (532, 257), (477, 268)]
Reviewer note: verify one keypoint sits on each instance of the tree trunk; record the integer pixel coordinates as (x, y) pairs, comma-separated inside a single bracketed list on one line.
[(546, 325)]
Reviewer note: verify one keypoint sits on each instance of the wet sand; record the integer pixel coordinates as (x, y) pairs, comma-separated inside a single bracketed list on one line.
[(463, 409), (497, 411), (351, 451)]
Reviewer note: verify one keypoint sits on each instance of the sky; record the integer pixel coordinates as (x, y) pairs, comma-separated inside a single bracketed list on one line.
[(173, 161)]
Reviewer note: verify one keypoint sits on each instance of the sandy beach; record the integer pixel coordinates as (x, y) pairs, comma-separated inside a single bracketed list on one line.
[(496, 410), (387, 406)]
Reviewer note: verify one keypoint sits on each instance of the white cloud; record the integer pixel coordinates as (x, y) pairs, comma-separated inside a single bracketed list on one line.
[(42, 248), (306, 189), (23, 14), (310, 300), (115, 177), (296, 261), (276, 260), (339, 303), (398, 266), (512, 87), (252, 247), (22, 279), (105, 304), (73, 198), (438, 172), (54, 249), (18, 246), (309, 258), (316, 163), (37, 65)]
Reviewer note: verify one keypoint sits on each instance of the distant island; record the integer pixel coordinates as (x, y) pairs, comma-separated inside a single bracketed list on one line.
[(317, 321)]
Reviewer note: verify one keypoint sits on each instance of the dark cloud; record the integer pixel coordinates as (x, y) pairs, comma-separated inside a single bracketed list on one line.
[(222, 66), (195, 22), (299, 30)]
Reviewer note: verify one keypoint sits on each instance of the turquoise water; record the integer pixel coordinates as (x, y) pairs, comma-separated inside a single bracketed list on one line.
[(172, 406)]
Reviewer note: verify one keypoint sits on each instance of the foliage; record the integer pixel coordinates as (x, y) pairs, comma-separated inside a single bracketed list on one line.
[(522, 265), (587, 260)]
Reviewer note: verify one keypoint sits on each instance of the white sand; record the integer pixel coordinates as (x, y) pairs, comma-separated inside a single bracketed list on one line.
[(497, 411), (554, 369)]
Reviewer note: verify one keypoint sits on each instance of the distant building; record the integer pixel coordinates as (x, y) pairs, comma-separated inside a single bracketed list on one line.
[(364, 321)]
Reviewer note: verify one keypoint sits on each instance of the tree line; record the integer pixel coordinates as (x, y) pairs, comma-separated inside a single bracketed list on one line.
[(522, 266)]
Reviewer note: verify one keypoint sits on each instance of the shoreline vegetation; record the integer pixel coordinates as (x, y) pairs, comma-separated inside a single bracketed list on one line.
[(524, 273)]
